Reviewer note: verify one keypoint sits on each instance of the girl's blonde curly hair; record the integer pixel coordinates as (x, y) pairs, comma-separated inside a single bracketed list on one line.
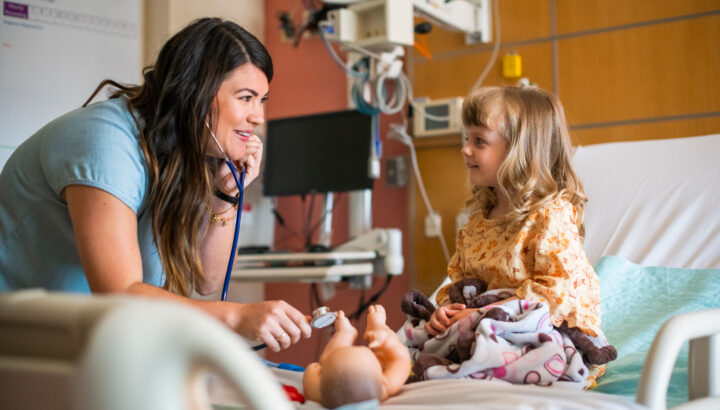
[(538, 167)]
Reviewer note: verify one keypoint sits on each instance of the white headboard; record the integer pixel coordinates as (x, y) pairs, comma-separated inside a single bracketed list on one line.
[(655, 203)]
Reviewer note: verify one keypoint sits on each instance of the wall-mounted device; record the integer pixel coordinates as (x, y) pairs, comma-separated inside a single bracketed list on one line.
[(375, 25), (380, 25), (437, 117)]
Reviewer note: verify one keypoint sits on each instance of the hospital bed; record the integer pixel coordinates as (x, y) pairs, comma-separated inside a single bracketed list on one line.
[(653, 234)]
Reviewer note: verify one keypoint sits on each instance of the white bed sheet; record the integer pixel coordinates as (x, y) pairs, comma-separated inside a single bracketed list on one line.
[(457, 394)]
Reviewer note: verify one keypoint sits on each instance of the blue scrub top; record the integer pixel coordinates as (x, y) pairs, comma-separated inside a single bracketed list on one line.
[(96, 146)]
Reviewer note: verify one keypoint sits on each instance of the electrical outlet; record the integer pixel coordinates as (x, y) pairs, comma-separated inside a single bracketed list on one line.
[(395, 172), (433, 225)]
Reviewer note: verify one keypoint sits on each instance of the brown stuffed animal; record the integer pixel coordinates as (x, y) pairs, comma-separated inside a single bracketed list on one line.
[(593, 354), (469, 291)]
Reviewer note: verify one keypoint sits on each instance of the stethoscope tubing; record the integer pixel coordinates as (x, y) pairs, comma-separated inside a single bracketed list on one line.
[(240, 183)]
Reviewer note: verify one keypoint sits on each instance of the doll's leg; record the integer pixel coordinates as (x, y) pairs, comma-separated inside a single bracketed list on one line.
[(376, 316)]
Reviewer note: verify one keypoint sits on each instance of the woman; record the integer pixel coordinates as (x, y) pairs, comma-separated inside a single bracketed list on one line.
[(131, 195)]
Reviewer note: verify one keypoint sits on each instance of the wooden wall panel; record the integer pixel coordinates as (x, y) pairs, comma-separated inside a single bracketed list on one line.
[(580, 15), (452, 77), (444, 173), (649, 71), (520, 20), (647, 131)]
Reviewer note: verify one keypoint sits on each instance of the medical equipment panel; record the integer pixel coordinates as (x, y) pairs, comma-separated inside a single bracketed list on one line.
[(444, 117)]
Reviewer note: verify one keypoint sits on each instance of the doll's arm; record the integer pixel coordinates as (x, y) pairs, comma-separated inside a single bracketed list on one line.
[(392, 354), (345, 335)]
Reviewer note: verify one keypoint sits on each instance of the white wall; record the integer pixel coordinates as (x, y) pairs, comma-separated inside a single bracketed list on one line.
[(54, 53), (165, 17)]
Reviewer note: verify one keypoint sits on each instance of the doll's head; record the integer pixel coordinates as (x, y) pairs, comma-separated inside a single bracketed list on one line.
[(349, 375), (538, 166)]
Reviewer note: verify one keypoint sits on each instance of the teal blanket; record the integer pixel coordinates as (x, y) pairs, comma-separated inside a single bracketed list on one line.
[(636, 302)]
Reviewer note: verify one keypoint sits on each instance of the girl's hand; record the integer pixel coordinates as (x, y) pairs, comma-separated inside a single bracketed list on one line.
[(441, 318), (275, 323), (462, 314)]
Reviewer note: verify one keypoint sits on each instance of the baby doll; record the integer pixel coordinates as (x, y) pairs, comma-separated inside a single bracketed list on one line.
[(349, 374)]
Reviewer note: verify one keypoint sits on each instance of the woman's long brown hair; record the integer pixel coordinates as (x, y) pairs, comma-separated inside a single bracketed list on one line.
[(171, 109)]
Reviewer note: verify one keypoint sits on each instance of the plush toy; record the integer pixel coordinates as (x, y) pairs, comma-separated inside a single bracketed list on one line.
[(467, 291), (591, 352), (471, 292)]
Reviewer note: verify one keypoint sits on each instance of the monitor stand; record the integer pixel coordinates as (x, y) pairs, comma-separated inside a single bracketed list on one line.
[(360, 213), (325, 236), (359, 218)]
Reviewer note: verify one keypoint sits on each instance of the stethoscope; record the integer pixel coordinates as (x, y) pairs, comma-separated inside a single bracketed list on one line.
[(240, 182), (321, 316)]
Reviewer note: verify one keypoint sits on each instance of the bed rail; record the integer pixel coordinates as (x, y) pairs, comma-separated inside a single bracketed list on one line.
[(702, 329)]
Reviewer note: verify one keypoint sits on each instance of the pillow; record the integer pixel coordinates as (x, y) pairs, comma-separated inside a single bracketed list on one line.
[(636, 301)]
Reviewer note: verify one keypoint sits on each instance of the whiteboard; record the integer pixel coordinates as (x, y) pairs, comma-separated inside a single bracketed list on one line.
[(53, 53)]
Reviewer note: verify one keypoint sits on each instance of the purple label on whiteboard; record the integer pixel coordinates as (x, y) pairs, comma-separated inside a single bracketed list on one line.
[(11, 9)]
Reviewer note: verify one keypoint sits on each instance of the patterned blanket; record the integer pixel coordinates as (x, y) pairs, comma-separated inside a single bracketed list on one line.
[(514, 341)]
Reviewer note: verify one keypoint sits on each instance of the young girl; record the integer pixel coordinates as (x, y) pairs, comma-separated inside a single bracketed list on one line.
[(526, 225)]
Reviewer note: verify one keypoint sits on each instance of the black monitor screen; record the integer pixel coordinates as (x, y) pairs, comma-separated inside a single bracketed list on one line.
[(317, 154)]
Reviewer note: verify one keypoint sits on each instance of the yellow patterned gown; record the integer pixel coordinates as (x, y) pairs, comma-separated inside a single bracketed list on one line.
[(543, 259)]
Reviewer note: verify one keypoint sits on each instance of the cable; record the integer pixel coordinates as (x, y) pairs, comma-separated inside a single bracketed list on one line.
[(364, 305), (398, 132), (496, 47), (322, 216), (398, 99), (336, 57)]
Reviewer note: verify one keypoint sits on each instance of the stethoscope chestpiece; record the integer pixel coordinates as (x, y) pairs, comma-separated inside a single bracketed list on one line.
[(322, 317)]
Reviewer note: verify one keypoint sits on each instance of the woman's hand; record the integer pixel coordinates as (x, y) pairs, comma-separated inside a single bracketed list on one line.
[(224, 180), (275, 323), (254, 153), (441, 318)]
